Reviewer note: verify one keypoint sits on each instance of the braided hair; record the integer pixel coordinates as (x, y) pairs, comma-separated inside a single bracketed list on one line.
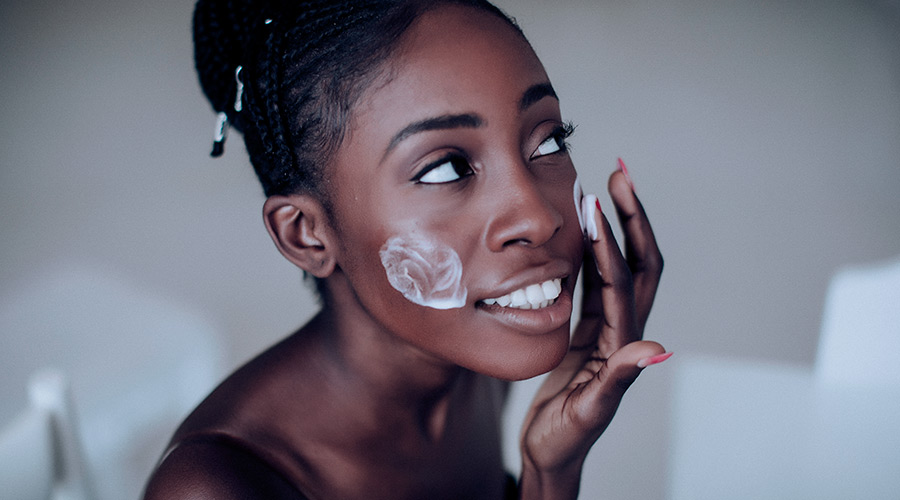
[(304, 64)]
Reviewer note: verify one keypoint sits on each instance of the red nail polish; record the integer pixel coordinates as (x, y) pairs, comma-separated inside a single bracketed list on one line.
[(624, 170), (598, 207), (652, 360)]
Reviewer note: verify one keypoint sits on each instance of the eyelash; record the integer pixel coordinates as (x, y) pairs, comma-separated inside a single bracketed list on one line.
[(559, 134)]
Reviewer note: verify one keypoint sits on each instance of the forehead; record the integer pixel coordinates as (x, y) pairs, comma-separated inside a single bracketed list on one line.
[(452, 59), (465, 39)]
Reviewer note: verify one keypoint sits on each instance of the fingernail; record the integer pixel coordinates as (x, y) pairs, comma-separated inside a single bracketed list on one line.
[(652, 360), (590, 216), (624, 170), (578, 193)]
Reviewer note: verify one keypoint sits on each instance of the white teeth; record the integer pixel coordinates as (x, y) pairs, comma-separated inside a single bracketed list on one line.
[(535, 296), (551, 288), (518, 298)]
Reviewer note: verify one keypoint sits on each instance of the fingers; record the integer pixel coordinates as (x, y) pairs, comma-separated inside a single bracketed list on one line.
[(618, 290), (608, 306), (641, 250)]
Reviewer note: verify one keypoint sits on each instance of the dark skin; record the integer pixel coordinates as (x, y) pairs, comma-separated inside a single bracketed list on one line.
[(378, 397)]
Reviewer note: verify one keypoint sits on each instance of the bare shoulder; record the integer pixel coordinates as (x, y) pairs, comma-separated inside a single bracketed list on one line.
[(216, 469)]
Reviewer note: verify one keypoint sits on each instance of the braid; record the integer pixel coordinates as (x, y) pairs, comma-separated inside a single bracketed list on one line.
[(302, 74), (219, 38), (270, 120)]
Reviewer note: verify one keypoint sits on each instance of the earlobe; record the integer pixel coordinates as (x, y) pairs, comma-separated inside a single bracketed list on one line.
[(300, 229)]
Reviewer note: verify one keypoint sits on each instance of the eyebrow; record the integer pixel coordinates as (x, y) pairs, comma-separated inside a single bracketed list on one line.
[(535, 93), (467, 120), (437, 123)]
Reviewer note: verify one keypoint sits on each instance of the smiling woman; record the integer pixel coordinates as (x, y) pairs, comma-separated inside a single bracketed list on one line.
[(416, 165)]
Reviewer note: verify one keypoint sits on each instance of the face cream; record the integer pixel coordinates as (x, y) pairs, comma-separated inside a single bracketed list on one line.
[(425, 272)]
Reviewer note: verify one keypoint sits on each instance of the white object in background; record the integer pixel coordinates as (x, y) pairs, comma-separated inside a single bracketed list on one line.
[(137, 362), (857, 386), (744, 429), (860, 341), (40, 451), (739, 430)]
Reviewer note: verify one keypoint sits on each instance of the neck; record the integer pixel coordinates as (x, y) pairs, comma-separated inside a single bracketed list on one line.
[(393, 380)]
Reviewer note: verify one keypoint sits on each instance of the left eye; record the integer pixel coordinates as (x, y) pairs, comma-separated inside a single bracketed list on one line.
[(556, 143), (548, 147), (443, 171)]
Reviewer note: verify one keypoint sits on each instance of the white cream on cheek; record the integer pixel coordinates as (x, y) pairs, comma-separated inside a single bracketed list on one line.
[(425, 272)]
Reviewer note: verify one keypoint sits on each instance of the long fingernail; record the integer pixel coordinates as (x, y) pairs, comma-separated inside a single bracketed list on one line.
[(578, 194), (591, 209), (652, 360), (624, 170)]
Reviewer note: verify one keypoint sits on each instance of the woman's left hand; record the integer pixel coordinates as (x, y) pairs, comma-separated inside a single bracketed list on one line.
[(577, 401)]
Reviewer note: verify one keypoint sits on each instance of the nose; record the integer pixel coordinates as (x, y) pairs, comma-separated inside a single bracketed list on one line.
[(522, 214)]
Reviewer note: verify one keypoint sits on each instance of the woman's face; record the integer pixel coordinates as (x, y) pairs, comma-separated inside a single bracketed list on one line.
[(452, 197)]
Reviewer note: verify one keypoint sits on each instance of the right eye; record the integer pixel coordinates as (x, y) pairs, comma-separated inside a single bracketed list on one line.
[(447, 169)]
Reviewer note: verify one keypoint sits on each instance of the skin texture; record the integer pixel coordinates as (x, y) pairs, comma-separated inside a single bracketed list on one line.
[(378, 397)]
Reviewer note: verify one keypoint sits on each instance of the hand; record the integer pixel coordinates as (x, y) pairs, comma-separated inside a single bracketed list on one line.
[(579, 398)]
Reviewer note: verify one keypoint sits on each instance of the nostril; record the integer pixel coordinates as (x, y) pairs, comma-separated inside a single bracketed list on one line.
[(519, 241), (528, 232)]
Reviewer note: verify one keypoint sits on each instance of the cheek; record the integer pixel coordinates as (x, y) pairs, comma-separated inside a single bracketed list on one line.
[(425, 272)]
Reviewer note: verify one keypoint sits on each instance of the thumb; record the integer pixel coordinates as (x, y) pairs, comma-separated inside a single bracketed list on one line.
[(597, 404), (624, 366)]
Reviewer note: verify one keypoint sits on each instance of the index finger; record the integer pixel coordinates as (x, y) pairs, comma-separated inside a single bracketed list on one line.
[(608, 302), (641, 250)]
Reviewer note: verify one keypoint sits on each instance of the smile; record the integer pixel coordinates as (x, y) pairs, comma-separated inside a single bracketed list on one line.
[(537, 296)]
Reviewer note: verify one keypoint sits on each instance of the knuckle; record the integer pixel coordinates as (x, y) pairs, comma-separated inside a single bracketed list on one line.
[(652, 264), (657, 263)]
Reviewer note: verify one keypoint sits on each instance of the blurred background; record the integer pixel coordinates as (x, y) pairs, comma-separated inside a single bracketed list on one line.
[(763, 139)]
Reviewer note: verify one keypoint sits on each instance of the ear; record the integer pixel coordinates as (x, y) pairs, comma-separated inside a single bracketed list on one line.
[(300, 228)]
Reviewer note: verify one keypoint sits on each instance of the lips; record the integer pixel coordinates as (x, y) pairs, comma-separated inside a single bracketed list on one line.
[(535, 296)]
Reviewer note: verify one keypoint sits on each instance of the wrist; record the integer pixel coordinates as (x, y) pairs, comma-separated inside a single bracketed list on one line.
[(561, 482)]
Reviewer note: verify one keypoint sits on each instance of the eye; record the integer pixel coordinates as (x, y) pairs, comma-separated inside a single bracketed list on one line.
[(550, 146), (447, 169), (556, 143)]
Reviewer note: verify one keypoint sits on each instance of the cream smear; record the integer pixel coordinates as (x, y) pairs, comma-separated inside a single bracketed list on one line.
[(426, 273)]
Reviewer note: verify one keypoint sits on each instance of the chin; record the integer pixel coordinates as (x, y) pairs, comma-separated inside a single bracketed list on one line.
[(533, 360)]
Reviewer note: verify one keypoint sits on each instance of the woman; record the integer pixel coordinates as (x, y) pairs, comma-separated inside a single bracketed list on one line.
[(415, 164)]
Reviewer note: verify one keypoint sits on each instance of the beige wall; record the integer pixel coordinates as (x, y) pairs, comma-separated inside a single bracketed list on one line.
[(762, 137)]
